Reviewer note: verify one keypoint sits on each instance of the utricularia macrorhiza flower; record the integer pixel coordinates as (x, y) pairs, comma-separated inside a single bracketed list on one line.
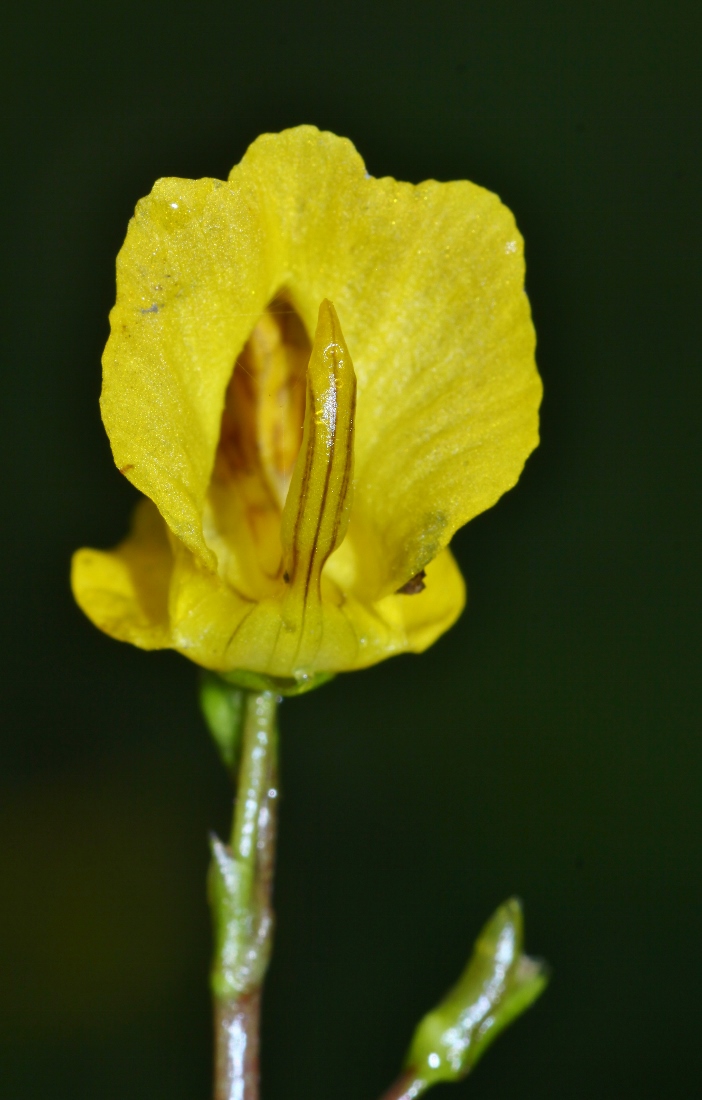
[(314, 377)]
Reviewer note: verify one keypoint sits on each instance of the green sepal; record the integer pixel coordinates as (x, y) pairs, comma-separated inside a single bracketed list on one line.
[(280, 685), (242, 931), (222, 705), (498, 984)]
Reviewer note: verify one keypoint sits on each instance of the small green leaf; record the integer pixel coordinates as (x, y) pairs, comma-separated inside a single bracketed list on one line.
[(222, 705)]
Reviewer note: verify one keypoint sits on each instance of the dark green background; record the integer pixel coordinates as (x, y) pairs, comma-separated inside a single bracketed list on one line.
[(550, 745)]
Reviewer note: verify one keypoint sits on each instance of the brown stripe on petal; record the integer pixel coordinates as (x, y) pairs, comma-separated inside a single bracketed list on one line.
[(348, 470), (314, 554)]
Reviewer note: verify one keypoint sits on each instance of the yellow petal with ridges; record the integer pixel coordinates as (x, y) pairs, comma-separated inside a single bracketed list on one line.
[(143, 593)]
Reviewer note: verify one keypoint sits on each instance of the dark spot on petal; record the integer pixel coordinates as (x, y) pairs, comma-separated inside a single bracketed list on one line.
[(129, 466), (286, 577), (415, 585)]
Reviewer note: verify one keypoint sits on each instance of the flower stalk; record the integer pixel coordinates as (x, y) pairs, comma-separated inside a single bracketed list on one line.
[(241, 874)]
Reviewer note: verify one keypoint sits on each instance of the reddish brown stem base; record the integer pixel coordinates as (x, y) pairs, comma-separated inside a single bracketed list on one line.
[(406, 1087), (236, 1047)]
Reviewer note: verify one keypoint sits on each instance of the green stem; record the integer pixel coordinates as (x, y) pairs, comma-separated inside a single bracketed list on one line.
[(240, 896), (258, 750), (498, 984)]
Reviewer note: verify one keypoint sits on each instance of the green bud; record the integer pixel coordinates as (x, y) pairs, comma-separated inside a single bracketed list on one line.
[(222, 705), (498, 984)]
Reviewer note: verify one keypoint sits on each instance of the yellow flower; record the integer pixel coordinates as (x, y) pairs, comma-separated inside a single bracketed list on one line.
[(292, 494)]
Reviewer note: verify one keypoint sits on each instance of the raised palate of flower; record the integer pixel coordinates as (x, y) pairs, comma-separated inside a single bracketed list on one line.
[(304, 464)]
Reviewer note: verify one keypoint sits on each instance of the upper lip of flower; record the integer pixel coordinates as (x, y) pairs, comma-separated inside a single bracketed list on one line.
[(428, 282)]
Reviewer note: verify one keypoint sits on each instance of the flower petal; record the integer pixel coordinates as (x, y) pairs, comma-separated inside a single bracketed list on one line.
[(211, 624), (193, 276), (427, 615), (153, 592), (428, 282), (125, 591)]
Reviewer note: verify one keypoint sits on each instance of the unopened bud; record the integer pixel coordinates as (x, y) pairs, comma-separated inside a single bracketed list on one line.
[(498, 984)]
